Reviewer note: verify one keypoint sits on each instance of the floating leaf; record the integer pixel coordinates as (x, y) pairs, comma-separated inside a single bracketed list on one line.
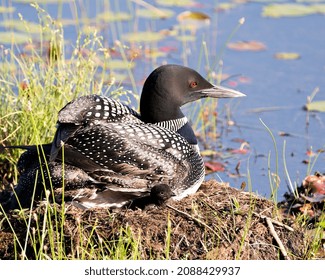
[(284, 134), (318, 106), (225, 6), (292, 10), (21, 25), (13, 37), (239, 151), (287, 55), (188, 15), (155, 14), (114, 64), (147, 36), (309, 1), (247, 46), (214, 166), (186, 38), (154, 53), (4, 9), (41, 1), (193, 20), (179, 3), (110, 16), (208, 153), (167, 49)]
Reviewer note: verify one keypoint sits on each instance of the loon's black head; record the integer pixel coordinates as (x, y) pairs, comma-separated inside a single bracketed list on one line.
[(171, 86)]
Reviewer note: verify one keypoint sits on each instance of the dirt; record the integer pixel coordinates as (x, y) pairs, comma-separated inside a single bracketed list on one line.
[(218, 222)]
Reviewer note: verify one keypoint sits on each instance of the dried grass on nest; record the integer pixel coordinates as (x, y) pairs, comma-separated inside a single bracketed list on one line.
[(218, 222)]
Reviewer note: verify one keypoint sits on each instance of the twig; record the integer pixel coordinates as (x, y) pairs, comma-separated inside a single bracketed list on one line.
[(200, 223), (276, 237), (273, 221)]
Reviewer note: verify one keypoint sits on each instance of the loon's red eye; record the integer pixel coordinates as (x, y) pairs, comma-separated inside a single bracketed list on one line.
[(193, 84)]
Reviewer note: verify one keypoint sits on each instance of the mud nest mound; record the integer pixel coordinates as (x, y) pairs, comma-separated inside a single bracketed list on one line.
[(218, 222)]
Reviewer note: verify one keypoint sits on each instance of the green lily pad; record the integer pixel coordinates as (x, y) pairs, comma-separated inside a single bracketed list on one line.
[(178, 3), (247, 46), (154, 53), (110, 16), (147, 36), (13, 37), (287, 55), (318, 106), (21, 25), (292, 10), (41, 1), (189, 15), (226, 6), (186, 38), (193, 20), (4, 9), (268, 1), (155, 14), (310, 1), (115, 64)]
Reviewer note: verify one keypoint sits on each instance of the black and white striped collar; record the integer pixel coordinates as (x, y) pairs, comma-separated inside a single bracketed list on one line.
[(173, 125)]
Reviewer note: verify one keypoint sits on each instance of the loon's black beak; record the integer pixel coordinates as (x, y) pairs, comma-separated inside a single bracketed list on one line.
[(220, 92)]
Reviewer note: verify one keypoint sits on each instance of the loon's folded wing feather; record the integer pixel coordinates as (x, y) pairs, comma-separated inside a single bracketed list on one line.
[(86, 111), (133, 150)]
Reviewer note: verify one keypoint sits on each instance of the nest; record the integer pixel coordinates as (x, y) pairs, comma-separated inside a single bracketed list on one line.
[(217, 222)]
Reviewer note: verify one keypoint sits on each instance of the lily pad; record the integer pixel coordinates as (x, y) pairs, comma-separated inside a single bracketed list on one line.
[(20, 25), (4, 9), (155, 14), (117, 64), (13, 37), (110, 16), (186, 38), (154, 53), (310, 1), (193, 20), (226, 6), (287, 55), (247, 46), (178, 3), (292, 10), (146, 36), (41, 1), (318, 106)]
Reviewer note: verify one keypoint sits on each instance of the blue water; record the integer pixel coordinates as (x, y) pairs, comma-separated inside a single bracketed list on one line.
[(284, 84)]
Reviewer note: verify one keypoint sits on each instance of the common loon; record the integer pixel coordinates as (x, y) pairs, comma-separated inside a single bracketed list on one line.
[(113, 156)]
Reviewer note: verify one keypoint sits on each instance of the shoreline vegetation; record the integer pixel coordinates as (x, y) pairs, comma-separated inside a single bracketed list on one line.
[(218, 222)]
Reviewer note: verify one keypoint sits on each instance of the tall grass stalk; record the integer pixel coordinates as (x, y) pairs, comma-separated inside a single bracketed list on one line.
[(168, 237), (293, 189), (274, 179), (311, 163)]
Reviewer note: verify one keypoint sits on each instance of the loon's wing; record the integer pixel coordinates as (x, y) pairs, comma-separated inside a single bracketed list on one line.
[(86, 111), (134, 155)]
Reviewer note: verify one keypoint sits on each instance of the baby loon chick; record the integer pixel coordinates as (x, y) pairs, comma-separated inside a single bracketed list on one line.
[(122, 155), (159, 194)]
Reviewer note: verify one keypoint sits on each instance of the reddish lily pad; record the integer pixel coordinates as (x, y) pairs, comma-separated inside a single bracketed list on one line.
[(214, 166), (247, 46)]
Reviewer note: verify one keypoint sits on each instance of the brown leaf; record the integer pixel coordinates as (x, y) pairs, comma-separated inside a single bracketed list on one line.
[(247, 46)]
